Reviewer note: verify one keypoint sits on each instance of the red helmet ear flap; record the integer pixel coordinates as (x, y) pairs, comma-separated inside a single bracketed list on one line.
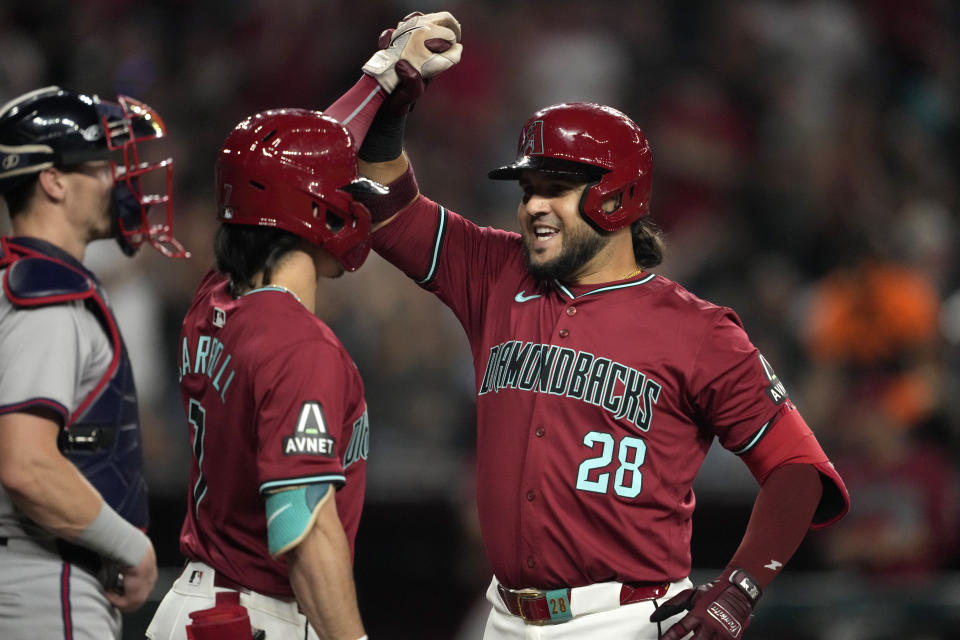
[(343, 229), (633, 196), (353, 258)]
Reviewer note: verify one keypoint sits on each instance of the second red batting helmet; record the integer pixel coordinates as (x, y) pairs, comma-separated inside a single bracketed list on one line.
[(597, 143), (295, 169)]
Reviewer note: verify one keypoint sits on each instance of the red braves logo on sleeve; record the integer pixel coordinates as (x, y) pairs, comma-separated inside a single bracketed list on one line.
[(310, 437)]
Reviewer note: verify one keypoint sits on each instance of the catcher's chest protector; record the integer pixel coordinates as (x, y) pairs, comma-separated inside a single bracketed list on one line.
[(102, 436)]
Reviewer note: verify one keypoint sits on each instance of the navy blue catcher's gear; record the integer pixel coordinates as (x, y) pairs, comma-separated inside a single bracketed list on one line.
[(102, 435)]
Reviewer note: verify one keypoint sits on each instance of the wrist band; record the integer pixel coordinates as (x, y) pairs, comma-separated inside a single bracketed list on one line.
[(747, 584), (384, 140), (402, 192), (113, 537)]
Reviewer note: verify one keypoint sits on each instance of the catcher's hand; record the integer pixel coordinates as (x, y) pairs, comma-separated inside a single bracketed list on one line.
[(429, 44), (719, 610), (130, 591)]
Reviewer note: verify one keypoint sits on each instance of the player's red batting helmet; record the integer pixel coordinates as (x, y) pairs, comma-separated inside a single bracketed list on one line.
[(295, 169), (596, 142)]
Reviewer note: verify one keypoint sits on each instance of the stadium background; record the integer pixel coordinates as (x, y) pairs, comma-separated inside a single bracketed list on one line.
[(805, 172)]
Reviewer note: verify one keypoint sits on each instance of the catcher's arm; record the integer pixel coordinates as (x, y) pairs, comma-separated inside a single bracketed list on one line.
[(53, 493)]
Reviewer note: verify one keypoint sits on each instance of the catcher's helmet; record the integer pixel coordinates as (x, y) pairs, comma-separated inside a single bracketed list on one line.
[(53, 127), (594, 142), (295, 169)]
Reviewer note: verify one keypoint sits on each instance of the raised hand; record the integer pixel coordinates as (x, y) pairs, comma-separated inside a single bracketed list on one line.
[(427, 44)]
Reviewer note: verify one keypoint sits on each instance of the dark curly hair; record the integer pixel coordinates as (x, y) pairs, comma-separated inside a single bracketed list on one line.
[(244, 250)]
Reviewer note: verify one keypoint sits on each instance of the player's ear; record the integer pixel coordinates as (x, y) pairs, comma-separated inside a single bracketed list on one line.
[(52, 183)]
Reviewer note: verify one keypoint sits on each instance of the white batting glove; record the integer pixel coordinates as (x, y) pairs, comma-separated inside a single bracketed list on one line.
[(411, 41)]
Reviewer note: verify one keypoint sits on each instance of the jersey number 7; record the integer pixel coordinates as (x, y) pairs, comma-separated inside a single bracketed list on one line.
[(197, 416)]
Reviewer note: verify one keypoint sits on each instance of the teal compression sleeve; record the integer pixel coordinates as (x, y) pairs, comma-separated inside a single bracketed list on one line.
[(291, 514)]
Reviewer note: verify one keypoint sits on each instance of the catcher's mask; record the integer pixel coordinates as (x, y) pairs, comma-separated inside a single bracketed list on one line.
[(53, 127)]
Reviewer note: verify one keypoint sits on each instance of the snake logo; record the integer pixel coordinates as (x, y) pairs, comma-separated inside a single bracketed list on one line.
[(532, 142)]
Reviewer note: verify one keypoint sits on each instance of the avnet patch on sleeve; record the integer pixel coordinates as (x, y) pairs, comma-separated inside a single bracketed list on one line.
[(310, 435)]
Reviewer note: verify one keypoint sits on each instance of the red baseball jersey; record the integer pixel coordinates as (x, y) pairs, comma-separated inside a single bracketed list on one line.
[(273, 400), (595, 406)]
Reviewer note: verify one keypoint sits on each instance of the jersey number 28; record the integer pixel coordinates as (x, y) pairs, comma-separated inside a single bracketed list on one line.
[(628, 481)]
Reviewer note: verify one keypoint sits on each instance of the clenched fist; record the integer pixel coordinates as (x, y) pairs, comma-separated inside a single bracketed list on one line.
[(430, 44)]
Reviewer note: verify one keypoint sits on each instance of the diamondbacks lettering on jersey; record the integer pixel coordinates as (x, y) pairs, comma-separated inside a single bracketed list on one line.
[(208, 352), (311, 436), (359, 445), (546, 368)]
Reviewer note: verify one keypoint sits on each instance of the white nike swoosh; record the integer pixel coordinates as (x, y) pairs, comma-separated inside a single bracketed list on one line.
[(274, 515), (522, 298)]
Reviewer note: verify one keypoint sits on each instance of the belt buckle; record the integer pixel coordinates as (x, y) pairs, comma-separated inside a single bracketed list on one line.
[(528, 594)]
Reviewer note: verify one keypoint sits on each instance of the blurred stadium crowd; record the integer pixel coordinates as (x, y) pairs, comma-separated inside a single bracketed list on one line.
[(805, 172)]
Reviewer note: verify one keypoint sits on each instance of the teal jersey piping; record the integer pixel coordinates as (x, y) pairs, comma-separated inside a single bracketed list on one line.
[(612, 287), (338, 478), (753, 441), (438, 241)]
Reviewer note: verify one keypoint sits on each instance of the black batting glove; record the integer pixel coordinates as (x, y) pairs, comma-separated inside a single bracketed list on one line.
[(719, 610)]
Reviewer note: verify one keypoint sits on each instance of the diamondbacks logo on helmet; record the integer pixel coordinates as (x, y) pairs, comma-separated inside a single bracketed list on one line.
[(531, 142), (225, 209)]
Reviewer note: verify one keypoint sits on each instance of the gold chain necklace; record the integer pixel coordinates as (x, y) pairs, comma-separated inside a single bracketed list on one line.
[(633, 274)]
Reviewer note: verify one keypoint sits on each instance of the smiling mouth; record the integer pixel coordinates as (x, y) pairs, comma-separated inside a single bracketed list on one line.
[(543, 233)]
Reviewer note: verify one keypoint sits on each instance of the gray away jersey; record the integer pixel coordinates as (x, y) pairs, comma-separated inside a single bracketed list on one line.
[(51, 356)]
